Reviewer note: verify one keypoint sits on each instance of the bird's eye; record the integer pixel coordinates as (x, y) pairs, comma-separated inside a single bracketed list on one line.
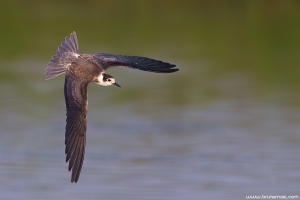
[(109, 80)]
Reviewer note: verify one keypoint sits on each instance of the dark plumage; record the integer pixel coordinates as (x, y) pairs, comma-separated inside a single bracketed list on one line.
[(80, 70)]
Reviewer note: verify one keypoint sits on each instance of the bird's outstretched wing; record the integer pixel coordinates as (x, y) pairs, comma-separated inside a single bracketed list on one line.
[(135, 62), (75, 137)]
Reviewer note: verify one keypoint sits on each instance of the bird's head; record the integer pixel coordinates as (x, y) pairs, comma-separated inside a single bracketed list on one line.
[(109, 80)]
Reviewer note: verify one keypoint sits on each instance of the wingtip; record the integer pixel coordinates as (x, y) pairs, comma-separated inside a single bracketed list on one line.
[(175, 70), (170, 70), (73, 179)]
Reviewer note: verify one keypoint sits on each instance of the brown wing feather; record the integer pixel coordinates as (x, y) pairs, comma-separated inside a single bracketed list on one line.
[(142, 63), (75, 137)]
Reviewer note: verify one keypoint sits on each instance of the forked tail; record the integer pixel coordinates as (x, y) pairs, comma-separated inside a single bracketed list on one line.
[(66, 53)]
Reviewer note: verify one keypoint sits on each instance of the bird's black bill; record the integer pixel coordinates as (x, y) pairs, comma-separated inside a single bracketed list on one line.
[(116, 84)]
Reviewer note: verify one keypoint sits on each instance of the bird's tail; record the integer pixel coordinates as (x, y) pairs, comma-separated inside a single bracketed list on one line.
[(66, 53)]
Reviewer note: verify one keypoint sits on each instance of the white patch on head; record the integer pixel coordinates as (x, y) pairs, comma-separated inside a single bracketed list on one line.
[(104, 83)]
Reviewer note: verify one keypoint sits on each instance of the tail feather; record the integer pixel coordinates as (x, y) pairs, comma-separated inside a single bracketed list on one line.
[(67, 52)]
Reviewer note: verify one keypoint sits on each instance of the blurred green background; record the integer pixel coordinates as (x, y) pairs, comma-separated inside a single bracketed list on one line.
[(238, 78), (208, 40)]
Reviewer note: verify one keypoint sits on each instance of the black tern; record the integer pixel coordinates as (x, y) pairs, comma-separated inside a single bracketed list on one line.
[(80, 70)]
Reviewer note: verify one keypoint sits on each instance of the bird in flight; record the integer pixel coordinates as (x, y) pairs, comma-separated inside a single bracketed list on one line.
[(80, 70)]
